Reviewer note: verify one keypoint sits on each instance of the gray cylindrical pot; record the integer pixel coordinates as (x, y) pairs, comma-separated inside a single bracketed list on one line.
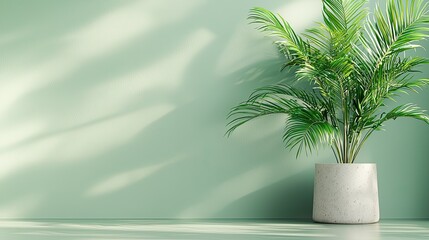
[(346, 193)]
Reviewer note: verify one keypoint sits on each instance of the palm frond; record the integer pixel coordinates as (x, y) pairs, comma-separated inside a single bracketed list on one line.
[(406, 86), (306, 128), (307, 98), (344, 19), (249, 110), (397, 31), (354, 63), (291, 44), (406, 110), (297, 50), (320, 37)]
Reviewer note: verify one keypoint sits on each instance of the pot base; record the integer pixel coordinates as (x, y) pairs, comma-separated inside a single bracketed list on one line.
[(346, 193)]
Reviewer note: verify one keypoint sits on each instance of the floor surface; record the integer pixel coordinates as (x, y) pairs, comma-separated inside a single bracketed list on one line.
[(208, 229)]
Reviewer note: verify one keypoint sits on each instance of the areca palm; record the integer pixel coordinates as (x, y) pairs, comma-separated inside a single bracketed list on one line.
[(353, 62)]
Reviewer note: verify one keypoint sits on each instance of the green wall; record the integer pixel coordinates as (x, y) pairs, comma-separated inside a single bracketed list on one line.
[(117, 109)]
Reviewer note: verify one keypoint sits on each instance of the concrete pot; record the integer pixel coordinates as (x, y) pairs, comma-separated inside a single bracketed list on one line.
[(346, 193)]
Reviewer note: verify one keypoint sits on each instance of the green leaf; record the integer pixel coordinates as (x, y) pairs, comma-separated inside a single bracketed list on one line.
[(249, 110), (290, 43), (307, 129), (406, 110), (351, 64)]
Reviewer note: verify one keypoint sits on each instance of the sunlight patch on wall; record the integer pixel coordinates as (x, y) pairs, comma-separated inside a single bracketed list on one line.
[(76, 136), (301, 14), (12, 134), (103, 35), (107, 135), (19, 208), (26, 156), (169, 71), (125, 179), (81, 143), (108, 32), (116, 94)]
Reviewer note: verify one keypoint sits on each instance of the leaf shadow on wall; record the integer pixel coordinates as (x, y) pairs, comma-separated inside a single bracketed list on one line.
[(158, 170)]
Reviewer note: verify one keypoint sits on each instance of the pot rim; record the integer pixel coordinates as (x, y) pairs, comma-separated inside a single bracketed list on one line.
[(344, 164)]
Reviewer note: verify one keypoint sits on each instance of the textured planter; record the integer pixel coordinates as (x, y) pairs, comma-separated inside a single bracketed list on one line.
[(346, 193)]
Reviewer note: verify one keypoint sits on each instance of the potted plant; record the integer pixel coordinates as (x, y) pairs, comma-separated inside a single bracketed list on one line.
[(351, 64)]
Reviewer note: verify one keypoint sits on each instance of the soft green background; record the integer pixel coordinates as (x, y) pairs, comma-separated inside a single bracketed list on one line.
[(117, 109)]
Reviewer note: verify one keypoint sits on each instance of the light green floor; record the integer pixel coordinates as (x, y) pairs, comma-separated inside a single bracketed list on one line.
[(202, 229)]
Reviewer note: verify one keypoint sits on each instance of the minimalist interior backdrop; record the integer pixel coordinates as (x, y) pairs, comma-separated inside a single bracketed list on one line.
[(117, 109)]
